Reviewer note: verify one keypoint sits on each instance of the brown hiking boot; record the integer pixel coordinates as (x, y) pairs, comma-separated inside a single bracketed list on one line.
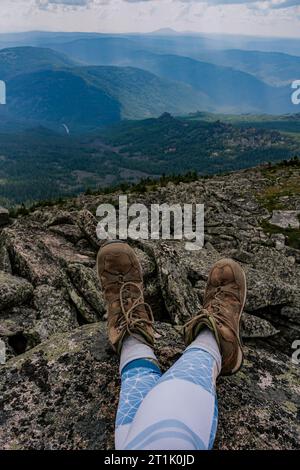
[(223, 303), (121, 278)]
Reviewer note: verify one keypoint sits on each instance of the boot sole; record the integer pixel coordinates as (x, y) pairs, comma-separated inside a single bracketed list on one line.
[(240, 358)]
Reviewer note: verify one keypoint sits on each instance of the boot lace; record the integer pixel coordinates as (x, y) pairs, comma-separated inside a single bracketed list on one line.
[(217, 311), (130, 317)]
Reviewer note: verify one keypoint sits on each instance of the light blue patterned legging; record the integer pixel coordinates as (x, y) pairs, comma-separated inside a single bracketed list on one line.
[(174, 411)]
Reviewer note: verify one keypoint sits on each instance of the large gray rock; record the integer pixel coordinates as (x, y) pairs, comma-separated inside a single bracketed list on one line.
[(38, 254), (285, 219), (255, 327), (55, 314), (87, 283), (13, 290), (88, 223), (180, 299)]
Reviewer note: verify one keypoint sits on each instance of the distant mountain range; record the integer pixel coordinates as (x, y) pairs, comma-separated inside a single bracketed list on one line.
[(45, 86), (90, 80), (165, 41), (275, 68), (24, 60), (228, 89)]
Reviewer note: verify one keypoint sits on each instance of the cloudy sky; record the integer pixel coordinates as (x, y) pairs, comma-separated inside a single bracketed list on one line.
[(254, 17)]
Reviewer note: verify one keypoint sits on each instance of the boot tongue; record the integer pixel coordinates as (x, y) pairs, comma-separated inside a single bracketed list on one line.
[(223, 330), (231, 292), (127, 301)]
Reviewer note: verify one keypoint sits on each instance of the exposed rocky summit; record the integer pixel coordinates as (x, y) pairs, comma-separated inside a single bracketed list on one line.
[(59, 386)]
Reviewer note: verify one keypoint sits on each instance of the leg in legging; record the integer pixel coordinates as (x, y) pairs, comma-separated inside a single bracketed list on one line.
[(139, 374), (179, 412)]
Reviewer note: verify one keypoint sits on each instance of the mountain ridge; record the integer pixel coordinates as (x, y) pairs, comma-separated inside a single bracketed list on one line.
[(143, 85), (57, 90)]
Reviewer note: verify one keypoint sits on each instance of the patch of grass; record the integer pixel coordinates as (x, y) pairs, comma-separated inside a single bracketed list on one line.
[(292, 235), (287, 184), (270, 200), (270, 197), (272, 168)]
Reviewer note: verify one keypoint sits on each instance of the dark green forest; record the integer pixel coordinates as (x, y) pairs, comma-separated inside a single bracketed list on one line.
[(39, 164)]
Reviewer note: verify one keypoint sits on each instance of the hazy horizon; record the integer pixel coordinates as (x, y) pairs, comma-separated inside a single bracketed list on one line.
[(258, 18), (163, 31)]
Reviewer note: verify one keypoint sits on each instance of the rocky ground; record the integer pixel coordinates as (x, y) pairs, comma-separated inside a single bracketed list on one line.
[(59, 386)]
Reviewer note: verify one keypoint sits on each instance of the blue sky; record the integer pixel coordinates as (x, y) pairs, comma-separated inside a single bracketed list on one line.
[(269, 17)]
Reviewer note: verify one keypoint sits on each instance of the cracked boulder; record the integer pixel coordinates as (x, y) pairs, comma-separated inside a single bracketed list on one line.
[(87, 283), (285, 219), (13, 290), (39, 255), (255, 327), (55, 314)]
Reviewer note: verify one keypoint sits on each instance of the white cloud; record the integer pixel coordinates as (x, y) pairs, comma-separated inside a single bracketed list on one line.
[(73, 4), (260, 17), (285, 4), (69, 4)]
